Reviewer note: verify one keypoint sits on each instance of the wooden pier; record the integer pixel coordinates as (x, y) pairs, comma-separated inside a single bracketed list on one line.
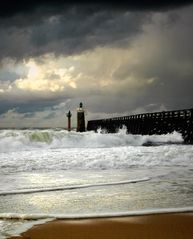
[(150, 123)]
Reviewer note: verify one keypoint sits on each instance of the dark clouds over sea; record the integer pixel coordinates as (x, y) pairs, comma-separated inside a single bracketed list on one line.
[(132, 56)]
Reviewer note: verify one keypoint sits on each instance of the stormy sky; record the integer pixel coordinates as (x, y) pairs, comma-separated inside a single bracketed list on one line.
[(118, 58)]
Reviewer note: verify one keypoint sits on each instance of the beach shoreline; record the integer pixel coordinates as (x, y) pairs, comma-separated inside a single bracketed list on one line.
[(166, 225)]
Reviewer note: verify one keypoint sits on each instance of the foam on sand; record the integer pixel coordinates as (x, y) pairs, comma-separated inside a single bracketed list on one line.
[(167, 226), (98, 215)]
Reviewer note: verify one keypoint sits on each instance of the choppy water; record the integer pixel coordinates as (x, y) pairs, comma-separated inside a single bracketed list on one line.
[(54, 173)]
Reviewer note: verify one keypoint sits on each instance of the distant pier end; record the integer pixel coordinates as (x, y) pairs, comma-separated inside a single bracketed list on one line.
[(150, 123), (80, 119)]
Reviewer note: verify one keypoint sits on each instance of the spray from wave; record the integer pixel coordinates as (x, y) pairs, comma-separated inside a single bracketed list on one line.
[(14, 140)]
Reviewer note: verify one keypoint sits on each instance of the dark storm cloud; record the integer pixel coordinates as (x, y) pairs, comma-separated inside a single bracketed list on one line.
[(69, 33), (10, 8), (162, 42), (166, 60), (33, 28)]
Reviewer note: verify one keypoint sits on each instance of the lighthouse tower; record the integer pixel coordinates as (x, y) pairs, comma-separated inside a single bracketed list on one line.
[(69, 120), (80, 118)]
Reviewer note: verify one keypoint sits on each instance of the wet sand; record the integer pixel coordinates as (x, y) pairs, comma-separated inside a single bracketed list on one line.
[(160, 226)]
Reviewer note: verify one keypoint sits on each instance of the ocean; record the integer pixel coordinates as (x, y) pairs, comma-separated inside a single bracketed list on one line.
[(53, 173)]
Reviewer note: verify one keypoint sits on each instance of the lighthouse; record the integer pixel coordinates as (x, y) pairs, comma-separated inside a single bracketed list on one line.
[(69, 120), (80, 118)]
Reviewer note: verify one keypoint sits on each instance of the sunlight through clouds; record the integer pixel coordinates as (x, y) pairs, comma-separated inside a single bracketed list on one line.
[(41, 77)]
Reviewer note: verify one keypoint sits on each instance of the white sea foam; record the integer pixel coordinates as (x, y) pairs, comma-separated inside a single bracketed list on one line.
[(31, 150), (14, 140), (95, 158), (10, 228), (98, 215)]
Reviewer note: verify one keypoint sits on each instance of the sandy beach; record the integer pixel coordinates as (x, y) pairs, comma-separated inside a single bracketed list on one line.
[(178, 226)]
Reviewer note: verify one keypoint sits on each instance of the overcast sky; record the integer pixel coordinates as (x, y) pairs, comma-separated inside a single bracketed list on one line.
[(118, 59)]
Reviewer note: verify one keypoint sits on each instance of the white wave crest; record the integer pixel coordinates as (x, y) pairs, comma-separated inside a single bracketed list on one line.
[(14, 140)]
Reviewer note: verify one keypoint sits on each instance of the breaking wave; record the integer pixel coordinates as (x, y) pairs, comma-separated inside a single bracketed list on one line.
[(14, 140)]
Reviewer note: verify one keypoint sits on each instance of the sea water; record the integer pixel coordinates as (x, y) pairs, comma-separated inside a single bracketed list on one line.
[(46, 174)]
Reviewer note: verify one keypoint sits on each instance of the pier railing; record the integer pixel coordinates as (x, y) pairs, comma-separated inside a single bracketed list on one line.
[(150, 123)]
